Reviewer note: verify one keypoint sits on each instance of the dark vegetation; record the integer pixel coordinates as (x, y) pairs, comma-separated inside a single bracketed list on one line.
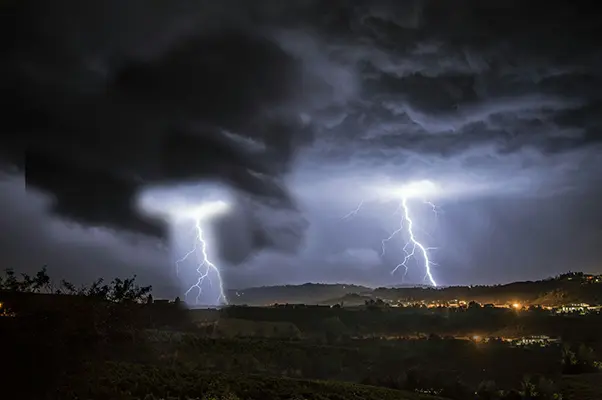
[(118, 290), (413, 321), (133, 381), (585, 386), (111, 341)]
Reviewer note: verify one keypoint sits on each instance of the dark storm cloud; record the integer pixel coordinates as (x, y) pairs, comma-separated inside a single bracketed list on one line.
[(445, 85), (111, 102), (30, 239), (106, 198), (498, 100)]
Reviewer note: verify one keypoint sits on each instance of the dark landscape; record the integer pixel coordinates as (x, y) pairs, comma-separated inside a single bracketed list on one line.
[(114, 341)]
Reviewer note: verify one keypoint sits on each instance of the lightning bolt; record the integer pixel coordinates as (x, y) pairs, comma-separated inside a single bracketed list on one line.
[(204, 266), (412, 246), (354, 212)]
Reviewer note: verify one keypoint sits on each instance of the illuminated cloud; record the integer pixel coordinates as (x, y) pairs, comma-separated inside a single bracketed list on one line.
[(178, 202), (308, 108), (189, 209)]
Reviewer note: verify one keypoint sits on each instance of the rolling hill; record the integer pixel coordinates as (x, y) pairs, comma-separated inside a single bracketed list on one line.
[(564, 289), (136, 382)]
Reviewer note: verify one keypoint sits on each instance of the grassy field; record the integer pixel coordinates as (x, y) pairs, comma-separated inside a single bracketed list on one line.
[(124, 381), (582, 387), (355, 360)]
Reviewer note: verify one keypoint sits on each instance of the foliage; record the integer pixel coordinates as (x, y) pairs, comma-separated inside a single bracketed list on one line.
[(124, 381), (487, 390), (539, 388), (582, 387), (579, 359), (26, 283), (118, 290), (402, 321), (384, 361)]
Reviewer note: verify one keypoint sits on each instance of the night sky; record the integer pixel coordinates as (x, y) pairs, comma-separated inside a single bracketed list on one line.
[(298, 111)]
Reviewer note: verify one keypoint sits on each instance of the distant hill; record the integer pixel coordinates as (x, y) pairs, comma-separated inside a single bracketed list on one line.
[(350, 299), (564, 289), (406, 285), (308, 293)]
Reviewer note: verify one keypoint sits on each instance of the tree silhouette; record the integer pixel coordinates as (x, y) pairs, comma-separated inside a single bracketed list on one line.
[(487, 390), (31, 284), (118, 290)]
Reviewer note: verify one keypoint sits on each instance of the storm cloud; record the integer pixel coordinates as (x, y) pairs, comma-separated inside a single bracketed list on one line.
[(98, 119), (305, 108)]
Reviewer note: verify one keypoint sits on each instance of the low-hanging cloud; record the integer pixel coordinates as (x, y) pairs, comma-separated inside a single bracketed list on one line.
[(133, 111)]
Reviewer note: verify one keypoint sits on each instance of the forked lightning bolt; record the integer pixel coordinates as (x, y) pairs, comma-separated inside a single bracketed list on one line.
[(412, 245), (204, 266)]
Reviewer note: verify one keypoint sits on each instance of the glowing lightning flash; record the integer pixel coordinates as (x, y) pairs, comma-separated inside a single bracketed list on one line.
[(412, 246), (204, 266), (192, 205)]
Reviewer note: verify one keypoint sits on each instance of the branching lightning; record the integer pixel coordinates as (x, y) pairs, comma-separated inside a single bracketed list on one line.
[(412, 245), (205, 268), (204, 265), (412, 248), (190, 206)]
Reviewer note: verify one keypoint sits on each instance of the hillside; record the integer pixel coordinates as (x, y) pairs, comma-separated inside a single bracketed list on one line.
[(308, 293), (565, 289), (115, 381), (554, 291), (582, 387), (349, 300)]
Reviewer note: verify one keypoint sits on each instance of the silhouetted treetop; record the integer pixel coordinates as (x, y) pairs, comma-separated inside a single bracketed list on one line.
[(118, 290)]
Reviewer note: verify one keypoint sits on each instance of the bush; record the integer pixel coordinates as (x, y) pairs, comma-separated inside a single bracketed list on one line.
[(125, 381)]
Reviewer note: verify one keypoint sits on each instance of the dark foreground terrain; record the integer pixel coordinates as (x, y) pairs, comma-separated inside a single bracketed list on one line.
[(113, 342)]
